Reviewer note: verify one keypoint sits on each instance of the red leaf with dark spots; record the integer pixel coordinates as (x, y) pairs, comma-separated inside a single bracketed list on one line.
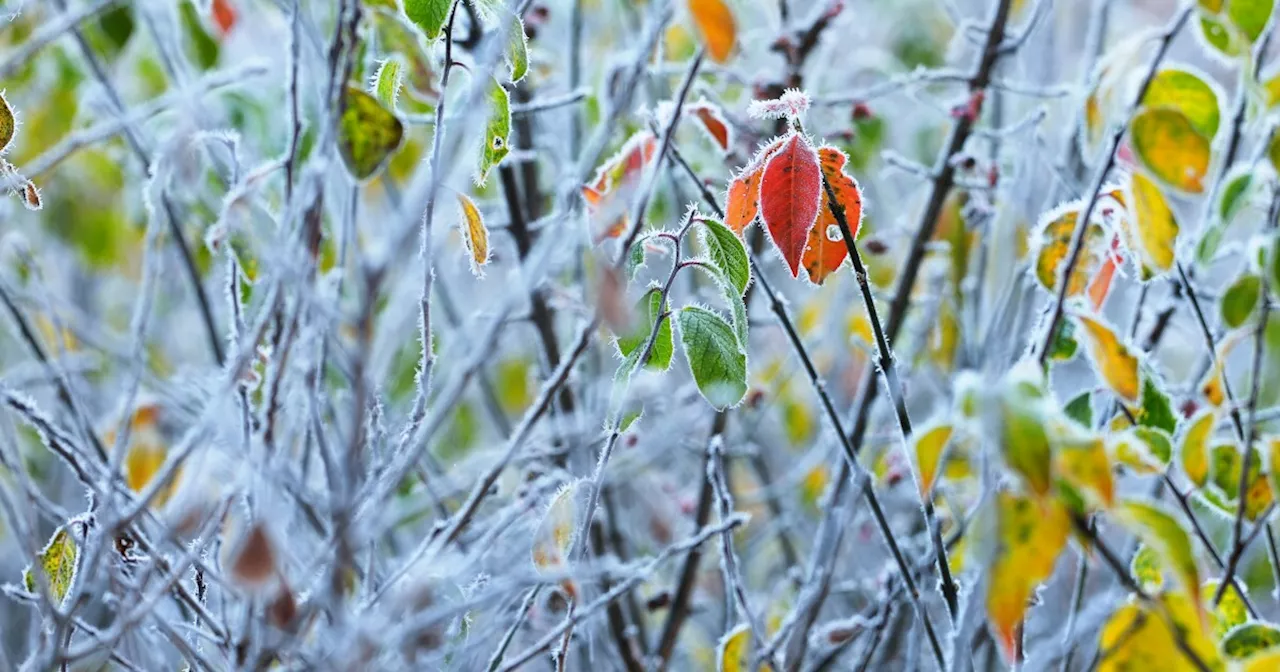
[(789, 198)]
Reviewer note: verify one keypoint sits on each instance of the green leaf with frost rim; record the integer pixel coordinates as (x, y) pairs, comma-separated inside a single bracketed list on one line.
[(718, 364), (727, 252), (632, 344)]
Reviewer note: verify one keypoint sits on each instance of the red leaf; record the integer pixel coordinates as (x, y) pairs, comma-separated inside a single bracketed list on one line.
[(826, 248), (789, 198)]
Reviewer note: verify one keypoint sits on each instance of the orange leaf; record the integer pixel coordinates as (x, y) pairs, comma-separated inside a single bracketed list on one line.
[(608, 195), (1101, 284), (826, 248), (715, 24), (789, 197), (743, 202), (713, 122), (224, 16)]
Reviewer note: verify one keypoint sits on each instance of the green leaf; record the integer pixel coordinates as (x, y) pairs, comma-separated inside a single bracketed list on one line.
[(428, 15), (1155, 410), (1024, 439), (367, 133), (1158, 442), (647, 312), (1187, 92), (1241, 300), (1235, 195), (1146, 569), (206, 48), (496, 132), (1162, 532), (1064, 345), (1247, 639), (727, 252), (386, 84), (517, 55), (58, 563), (1080, 409), (718, 363), (635, 258), (8, 126), (1250, 16)]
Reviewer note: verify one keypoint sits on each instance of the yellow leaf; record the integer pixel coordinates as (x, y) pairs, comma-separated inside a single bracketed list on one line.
[(1162, 532), (813, 485), (733, 649), (1152, 231), (555, 534), (1032, 534), (474, 234), (1117, 366), (1053, 242), (1135, 638), (1229, 613), (1024, 437), (146, 453), (1271, 453), (1086, 466), (1193, 448), (929, 447), (1171, 148), (1128, 449), (716, 26), (57, 561), (1267, 661)]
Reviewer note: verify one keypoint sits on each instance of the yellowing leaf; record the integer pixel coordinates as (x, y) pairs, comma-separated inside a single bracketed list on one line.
[(1271, 453), (715, 24), (1137, 639), (1229, 613), (555, 533), (1146, 569), (734, 649), (57, 560), (1189, 93), (929, 446), (367, 133), (1171, 148), (1162, 532), (474, 234), (1023, 434), (1032, 534), (1086, 466), (1053, 242), (1193, 448), (1152, 230), (813, 485), (1115, 363)]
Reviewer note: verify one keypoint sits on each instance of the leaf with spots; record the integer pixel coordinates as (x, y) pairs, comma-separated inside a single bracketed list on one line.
[(1054, 243), (1249, 639), (1085, 466), (368, 133), (732, 654), (1161, 531), (1171, 148), (790, 191), (716, 359), (57, 561), (8, 124), (826, 249), (1032, 533), (496, 132), (1188, 92)]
